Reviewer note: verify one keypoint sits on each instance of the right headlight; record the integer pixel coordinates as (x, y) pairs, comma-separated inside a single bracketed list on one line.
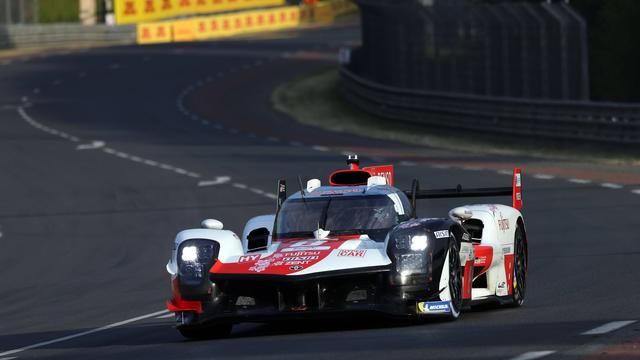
[(195, 258)]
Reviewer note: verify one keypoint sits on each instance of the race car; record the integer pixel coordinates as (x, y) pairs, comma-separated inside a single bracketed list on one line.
[(353, 246)]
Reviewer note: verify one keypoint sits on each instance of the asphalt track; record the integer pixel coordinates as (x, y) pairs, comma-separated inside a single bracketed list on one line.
[(105, 154)]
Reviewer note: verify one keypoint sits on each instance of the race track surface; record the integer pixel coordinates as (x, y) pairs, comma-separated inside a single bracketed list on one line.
[(105, 154)]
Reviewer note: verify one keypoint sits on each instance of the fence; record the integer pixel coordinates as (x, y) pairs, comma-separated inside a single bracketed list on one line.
[(517, 49), (18, 11)]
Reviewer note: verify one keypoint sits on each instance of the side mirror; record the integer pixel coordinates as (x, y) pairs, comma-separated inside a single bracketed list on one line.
[(460, 214), (212, 224), (258, 239)]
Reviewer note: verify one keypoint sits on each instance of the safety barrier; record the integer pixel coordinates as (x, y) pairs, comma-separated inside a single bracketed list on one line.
[(217, 26), (138, 11), (559, 121), (326, 11), (28, 36)]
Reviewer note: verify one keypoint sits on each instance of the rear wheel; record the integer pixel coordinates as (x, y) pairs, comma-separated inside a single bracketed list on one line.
[(519, 268), (205, 332), (455, 279)]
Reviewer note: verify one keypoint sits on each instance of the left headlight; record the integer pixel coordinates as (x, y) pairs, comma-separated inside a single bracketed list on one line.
[(195, 258)]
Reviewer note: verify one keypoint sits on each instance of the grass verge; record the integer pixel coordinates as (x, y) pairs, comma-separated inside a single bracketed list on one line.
[(314, 100)]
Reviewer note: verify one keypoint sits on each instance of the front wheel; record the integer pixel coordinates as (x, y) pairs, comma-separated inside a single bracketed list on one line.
[(519, 268), (455, 279), (205, 332)]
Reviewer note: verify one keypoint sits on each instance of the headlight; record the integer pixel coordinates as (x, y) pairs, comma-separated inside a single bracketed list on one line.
[(419, 242), (195, 258), (410, 252), (408, 264), (189, 253)]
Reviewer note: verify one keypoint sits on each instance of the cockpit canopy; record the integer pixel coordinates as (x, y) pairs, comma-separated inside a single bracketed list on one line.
[(373, 215)]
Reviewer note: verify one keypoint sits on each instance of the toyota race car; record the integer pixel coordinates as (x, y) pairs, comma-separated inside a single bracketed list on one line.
[(356, 245)]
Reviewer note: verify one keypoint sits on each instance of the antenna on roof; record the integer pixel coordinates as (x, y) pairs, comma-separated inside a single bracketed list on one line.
[(353, 162), (302, 191)]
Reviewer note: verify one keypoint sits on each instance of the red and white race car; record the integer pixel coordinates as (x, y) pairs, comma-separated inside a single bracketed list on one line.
[(356, 245)]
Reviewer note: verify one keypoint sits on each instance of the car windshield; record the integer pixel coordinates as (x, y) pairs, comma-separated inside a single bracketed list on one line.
[(373, 215)]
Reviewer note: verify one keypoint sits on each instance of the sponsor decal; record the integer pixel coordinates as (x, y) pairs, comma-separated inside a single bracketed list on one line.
[(441, 234), (307, 246), (503, 224), (341, 191), (502, 285), (260, 265), (296, 268), (434, 307), (465, 237), (493, 209), (480, 260), (248, 258), (506, 250), (518, 180), (301, 258), (352, 253)]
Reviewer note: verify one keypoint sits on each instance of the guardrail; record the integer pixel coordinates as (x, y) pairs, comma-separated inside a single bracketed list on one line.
[(24, 36), (565, 121)]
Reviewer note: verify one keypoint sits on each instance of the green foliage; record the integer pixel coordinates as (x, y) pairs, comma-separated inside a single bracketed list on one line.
[(614, 52), (57, 11)]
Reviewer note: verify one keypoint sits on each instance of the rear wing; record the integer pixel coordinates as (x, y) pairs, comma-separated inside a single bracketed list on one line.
[(515, 191)]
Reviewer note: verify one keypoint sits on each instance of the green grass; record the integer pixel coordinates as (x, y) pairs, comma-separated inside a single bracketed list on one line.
[(58, 11)]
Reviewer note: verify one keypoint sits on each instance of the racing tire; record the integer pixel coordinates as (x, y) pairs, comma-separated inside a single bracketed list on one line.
[(205, 332), (455, 279), (519, 268)]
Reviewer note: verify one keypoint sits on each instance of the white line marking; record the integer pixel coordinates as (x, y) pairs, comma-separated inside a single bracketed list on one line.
[(407, 163), (544, 176), (9, 358), (636, 191), (320, 148), (193, 175), (96, 144), (441, 166), (608, 327), (611, 186), (181, 171), (217, 181), (471, 168), (579, 181), (271, 195), (151, 163), (505, 172), (166, 167), (240, 186), (84, 333), (165, 316), (533, 355)]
